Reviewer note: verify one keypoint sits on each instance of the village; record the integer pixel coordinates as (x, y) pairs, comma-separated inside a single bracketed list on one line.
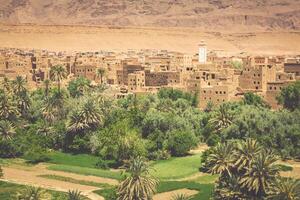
[(216, 79)]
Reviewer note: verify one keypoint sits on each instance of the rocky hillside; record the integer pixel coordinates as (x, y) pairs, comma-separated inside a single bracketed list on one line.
[(207, 14)]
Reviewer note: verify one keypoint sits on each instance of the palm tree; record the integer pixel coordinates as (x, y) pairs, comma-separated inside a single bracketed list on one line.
[(54, 107), (221, 160), (229, 189), (181, 197), (260, 175), (285, 189), (139, 185), (75, 122), (90, 114), (31, 193), (47, 87), (245, 153), (7, 109), (74, 195), (23, 102), (6, 130), (100, 73), (19, 85), (6, 85), (222, 118), (58, 73)]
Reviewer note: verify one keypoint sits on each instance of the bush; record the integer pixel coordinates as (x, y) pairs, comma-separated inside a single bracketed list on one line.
[(8, 149), (106, 164), (213, 140), (180, 142), (1, 172), (285, 168), (36, 155), (159, 155)]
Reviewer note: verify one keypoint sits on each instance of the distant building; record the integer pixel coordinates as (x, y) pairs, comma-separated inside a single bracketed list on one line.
[(202, 53)]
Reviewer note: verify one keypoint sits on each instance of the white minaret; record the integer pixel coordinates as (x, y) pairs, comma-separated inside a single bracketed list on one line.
[(202, 53)]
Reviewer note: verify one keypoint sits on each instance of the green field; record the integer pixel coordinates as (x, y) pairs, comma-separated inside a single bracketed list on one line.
[(81, 160), (176, 168)]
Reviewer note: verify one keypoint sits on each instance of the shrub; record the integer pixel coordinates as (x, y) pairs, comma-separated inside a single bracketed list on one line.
[(285, 168), (36, 155), (1, 172), (180, 142)]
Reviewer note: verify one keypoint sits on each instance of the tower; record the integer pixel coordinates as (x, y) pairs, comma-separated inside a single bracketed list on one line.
[(202, 53)]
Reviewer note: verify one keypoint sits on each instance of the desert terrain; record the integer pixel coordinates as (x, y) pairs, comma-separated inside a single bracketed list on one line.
[(92, 38)]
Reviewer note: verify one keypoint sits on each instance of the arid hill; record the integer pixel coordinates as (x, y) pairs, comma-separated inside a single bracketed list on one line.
[(221, 15)]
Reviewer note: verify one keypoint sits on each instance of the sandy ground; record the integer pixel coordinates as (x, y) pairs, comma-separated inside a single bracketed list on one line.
[(29, 176), (295, 173), (78, 38), (169, 195)]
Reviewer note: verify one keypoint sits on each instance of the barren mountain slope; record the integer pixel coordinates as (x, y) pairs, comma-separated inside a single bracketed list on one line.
[(231, 15)]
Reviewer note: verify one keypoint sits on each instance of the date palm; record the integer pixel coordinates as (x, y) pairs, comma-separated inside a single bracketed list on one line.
[(222, 118), (139, 185), (31, 193), (245, 153), (58, 73), (100, 73), (90, 114), (7, 109), (221, 160), (181, 197), (47, 87), (23, 102), (18, 85), (74, 195), (260, 175), (6, 85), (285, 189), (6, 130), (76, 123)]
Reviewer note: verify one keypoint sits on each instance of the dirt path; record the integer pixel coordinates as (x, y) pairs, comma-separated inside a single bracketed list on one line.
[(169, 195), (295, 173), (30, 176)]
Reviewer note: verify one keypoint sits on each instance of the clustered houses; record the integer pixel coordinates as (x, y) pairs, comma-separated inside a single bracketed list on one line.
[(214, 78)]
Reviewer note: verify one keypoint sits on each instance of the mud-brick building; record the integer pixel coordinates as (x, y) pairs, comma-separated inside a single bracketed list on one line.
[(122, 75), (292, 65), (167, 78), (256, 73), (87, 71), (136, 81), (274, 87)]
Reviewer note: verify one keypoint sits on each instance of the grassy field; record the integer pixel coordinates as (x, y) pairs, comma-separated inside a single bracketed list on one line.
[(176, 168), (87, 171), (8, 191), (81, 160)]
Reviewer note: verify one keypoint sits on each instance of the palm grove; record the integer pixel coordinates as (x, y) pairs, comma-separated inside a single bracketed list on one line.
[(81, 118)]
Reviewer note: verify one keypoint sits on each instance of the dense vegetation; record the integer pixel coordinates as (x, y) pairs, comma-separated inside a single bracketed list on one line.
[(83, 119), (39, 125), (248, 171)]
